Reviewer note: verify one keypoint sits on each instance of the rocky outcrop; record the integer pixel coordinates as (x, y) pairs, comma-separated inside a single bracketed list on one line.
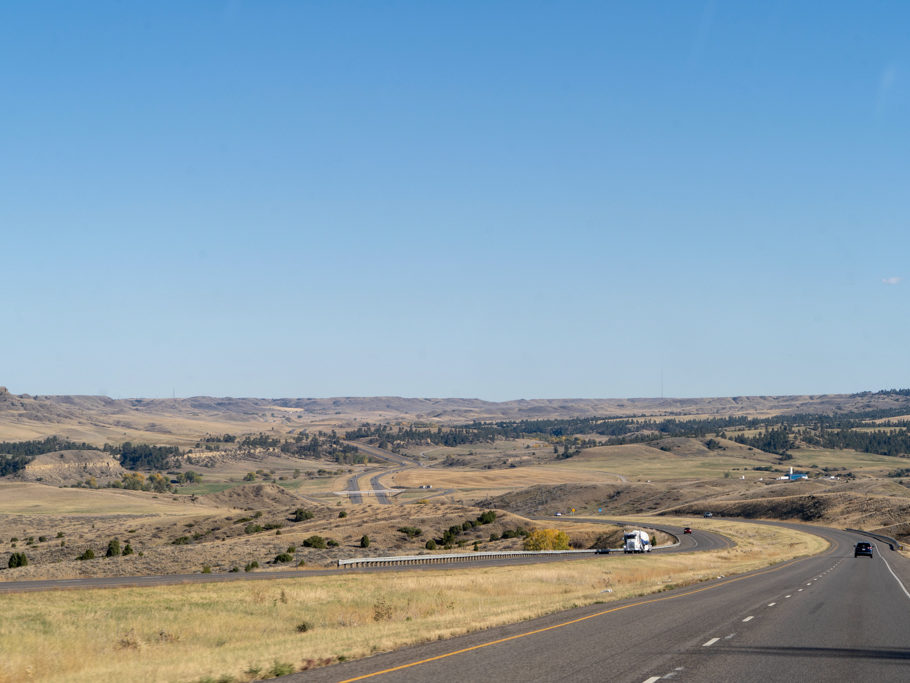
[(72, 467)]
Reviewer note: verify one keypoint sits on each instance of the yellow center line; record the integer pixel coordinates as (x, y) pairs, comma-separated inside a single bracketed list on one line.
[(580, 619)]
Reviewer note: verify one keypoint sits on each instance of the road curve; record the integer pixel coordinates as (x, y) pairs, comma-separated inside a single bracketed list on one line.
[(830, 617), (699, 540)]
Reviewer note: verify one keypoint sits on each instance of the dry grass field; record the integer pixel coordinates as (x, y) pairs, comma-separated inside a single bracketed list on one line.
[(37, 499), (247, 630), (471, 479)]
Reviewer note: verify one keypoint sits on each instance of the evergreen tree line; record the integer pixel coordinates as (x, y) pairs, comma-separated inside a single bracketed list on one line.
[(324, 446), (142, 456)]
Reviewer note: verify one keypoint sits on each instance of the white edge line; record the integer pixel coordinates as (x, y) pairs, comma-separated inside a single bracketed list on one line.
[(899, 582)]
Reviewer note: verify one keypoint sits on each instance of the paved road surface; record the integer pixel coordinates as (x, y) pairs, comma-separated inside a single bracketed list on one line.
[(831, 617), (352, 486)]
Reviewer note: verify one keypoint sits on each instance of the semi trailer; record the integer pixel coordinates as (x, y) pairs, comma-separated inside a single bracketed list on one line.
[(636, 542)]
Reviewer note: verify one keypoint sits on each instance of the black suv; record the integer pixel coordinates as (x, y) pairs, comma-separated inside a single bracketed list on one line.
[(863, 548)]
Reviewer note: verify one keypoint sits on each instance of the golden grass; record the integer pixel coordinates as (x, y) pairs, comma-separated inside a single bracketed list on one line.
[(637, 461), (183, 633), (499, 479), (37, 499), (853, 460)]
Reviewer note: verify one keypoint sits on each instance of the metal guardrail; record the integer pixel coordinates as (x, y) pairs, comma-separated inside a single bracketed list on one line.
[(893, 543), (473, 557)]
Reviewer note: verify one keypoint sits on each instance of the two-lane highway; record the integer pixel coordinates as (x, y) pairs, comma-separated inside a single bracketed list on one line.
[(827, 617)]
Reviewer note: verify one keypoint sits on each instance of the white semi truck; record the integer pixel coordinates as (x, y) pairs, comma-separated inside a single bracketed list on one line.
[(636, 542)]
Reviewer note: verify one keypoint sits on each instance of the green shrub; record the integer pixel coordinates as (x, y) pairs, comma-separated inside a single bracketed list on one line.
[(251, 566), (234, 570), (315, 542), (113, 548), (410, 531), (60, 534), (364, 541), (284, 557), (42, 539), (183, 540), (252, 529), (206, 569), (128, 549), (292, 549), (488, 517), (281, 669), (494, 536), (342, 514), (331, 542), (87, 555), (431, 545), (304, 626), (301, 515), (17, 560)]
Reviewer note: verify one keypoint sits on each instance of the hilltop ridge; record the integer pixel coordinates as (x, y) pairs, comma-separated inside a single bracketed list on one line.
[(96, 419)]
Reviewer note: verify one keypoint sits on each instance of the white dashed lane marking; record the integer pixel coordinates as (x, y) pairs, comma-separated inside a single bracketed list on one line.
[(748, 619), (771, 604), (653, 679), (710, 642)]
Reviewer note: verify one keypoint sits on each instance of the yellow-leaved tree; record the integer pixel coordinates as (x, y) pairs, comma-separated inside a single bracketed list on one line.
[(547, 539)]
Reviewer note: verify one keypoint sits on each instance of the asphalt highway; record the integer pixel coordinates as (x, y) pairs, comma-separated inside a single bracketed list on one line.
[(353, 486), (831, 617)]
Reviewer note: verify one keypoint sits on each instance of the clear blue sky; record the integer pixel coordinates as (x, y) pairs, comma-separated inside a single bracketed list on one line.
[(481, 199)]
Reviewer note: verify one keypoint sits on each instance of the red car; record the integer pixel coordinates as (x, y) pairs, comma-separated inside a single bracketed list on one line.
[(687, 530)]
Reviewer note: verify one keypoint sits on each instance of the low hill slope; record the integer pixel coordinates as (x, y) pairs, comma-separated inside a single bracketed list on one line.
[(253, 496), (64, 468)]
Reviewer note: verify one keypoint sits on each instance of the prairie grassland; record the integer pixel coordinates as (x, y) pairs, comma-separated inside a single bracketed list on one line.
[(38, 499), (854, 461), (637, 461), (519, 477), (240, 630)]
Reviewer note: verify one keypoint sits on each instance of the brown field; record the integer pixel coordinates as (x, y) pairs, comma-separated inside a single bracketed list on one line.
[(520, 477)]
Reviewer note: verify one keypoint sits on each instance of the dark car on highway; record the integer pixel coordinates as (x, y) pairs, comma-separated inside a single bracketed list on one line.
[(687, 530), (863, 548)]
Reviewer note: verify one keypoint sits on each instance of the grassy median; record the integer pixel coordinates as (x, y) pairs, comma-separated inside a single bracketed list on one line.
[(243, 630)]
